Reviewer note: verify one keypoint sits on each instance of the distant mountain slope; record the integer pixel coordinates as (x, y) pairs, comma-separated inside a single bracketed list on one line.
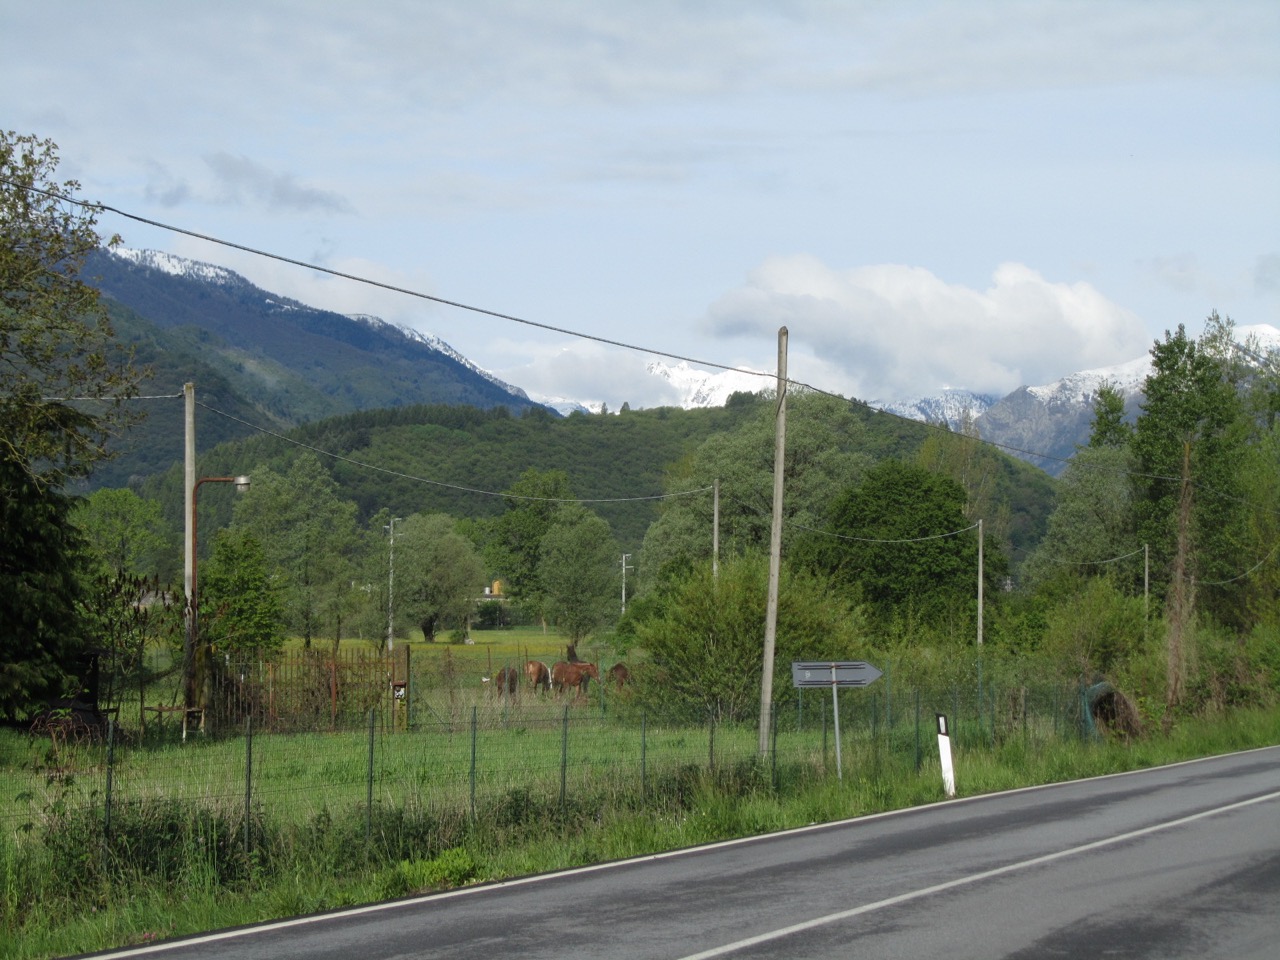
[(1056, 418), (300, 362), (261, 358)]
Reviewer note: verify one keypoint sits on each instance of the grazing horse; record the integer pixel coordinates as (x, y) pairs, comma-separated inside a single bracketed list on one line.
[(619, 675), (565, 675), (538, 674), (505, 681)]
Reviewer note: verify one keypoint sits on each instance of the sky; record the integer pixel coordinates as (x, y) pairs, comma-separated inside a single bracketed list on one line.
[(977, 195)]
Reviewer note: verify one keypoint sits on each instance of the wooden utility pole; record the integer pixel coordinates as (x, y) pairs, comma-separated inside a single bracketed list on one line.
[(775, 549)]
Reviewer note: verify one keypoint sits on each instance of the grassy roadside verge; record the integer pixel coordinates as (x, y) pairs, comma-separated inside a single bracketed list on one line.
[(43, 915)]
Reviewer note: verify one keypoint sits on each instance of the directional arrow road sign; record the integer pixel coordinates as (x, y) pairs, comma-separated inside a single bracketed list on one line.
[(827, 673)]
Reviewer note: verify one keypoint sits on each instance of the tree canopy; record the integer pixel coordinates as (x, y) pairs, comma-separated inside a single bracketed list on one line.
[(55, 349)]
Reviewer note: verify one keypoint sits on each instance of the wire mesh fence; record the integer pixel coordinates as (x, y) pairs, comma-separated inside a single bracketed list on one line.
[(302, 742)]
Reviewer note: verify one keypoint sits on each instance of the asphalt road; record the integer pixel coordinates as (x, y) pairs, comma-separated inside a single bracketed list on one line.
[(1180, 861)]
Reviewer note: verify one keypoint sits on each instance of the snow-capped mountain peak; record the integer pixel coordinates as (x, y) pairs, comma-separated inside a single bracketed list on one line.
[(178, 266), (699, 388)]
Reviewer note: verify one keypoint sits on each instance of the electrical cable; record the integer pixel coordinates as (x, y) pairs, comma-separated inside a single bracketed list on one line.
[(441, 483)]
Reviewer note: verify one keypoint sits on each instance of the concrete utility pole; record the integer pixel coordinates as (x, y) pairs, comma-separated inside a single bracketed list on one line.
[(775, 549), (188, 546), (391, 578)]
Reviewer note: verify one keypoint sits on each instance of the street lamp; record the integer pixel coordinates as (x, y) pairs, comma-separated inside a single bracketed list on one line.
[(191, 648), (391, 575)]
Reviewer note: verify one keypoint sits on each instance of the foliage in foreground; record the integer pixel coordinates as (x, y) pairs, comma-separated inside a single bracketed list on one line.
[(75, 892)]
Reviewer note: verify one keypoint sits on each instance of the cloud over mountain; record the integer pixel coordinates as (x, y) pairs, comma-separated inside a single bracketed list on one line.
[(893, 330)]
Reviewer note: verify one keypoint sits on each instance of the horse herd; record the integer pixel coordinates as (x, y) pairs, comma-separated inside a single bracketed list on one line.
[(565, 675)]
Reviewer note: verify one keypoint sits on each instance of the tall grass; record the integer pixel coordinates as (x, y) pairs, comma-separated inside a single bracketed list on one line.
[(184, 853)]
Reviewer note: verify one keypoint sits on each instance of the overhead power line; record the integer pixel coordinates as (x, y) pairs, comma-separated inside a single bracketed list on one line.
[(418, 294), (368, 281), (440, 483)]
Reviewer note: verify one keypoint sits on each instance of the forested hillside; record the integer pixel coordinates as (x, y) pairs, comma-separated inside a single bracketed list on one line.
[(446, 459)]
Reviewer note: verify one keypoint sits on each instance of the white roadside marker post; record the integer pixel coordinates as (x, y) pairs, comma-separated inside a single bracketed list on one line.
[(944, 754)]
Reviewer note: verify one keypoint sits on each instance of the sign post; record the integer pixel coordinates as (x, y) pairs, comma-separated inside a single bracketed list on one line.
[(836, 674)]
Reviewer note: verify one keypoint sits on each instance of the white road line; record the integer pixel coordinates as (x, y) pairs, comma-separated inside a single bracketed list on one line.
[(964, 881)]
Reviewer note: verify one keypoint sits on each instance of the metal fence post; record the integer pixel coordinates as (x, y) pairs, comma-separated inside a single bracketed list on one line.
[(773, 753), (368, 806), (822, 706), (918, 757), (644, 742), (564, 752), (711, 745), (248, 778), (111, 763), (473, 761)]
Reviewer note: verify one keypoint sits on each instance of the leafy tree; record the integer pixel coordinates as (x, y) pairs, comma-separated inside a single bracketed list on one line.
[(1110, 428), (896, 540), (439, 573), (55, 344), (125, 613), (513, 541), (1092, 526), (977, 467), (578, 567), (309, 536), (1095, 629), (1189, 448), (704, 636), (240, 609), (822, 457), (123, 531)]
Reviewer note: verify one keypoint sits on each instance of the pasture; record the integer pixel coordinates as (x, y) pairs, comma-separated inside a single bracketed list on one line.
[(110, 843)]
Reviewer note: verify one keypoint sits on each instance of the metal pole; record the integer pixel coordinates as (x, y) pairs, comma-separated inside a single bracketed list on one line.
[(111, 764), (979, 583), (835, 712), (248, 777), (368, 805), (775, 548), (564, 752), (644, 744), (391, 577)]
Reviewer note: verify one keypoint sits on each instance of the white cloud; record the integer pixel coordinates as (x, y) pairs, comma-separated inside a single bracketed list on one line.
[(588, 372), (890, 331)]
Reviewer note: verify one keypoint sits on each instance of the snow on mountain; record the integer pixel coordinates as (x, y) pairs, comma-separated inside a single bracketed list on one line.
[(179, 266), (950, 406), (438, 345), (700, 388), (1130, 377), (1080, 388)]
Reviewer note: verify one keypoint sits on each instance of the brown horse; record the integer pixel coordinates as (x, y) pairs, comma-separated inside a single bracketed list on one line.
[(577, 675), (619, 675), (538, 674), (505, 681)]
